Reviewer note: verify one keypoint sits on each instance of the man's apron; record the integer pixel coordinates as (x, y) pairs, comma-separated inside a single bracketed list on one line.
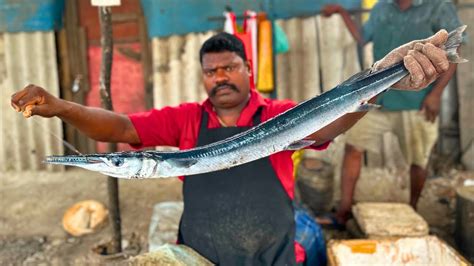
[(238, 216)]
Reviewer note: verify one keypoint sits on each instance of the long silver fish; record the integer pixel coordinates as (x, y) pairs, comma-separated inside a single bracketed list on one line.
[(286, 131)]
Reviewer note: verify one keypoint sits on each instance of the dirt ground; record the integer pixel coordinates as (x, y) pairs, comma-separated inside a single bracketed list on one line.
[(33, 204)]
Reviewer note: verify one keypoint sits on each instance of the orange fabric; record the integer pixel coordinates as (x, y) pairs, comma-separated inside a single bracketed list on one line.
[(265, 57)]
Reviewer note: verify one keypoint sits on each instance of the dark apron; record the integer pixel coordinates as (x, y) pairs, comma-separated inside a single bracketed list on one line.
[(237, 216)]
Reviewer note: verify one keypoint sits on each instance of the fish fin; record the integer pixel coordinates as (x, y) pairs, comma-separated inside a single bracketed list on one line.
[(367, 107), (183, 162), (356, 77), (300, 144), (454, 41)]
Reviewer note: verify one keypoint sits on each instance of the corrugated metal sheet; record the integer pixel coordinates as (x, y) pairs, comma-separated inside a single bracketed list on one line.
[(298, 74), (27, 58), (322, 54), (176, 69)]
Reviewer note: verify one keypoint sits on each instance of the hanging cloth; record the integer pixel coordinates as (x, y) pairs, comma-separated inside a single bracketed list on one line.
[(265, 56), (248, 36)]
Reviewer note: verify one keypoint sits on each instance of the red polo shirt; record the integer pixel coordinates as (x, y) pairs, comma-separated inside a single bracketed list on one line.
[(179, 127)]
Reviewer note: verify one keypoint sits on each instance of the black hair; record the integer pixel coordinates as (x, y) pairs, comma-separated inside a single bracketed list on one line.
[(223, 42)]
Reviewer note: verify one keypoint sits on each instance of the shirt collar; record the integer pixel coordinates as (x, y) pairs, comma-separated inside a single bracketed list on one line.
[(256, 100)]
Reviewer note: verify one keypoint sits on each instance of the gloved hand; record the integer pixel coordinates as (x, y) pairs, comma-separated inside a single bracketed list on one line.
[(34, 100), (424, 59)]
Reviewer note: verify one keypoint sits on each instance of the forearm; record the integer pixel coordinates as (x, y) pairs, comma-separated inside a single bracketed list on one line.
[(339, 126), (97, 123), (336, 128)]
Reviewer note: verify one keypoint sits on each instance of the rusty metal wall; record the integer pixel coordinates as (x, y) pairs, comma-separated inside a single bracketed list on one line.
[(27, 58), (322, 54)]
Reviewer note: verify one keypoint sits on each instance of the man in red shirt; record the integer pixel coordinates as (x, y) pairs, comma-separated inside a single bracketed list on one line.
[(242, 215)]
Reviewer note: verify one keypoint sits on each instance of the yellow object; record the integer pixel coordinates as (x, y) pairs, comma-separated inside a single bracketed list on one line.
[(367, 4), (367, 247), (297, 156), (265, 57), (84, 217), (426, 250)]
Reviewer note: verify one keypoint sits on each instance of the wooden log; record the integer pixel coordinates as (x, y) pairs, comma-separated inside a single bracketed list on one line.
[(106, 41), (464, 228)]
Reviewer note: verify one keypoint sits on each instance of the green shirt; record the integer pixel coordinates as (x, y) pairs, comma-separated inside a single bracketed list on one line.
[(388, 27)]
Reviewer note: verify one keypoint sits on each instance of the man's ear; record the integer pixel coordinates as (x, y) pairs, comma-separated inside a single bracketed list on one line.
[(247, 65)]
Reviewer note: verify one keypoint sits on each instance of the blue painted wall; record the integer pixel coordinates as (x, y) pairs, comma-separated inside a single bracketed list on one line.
[(167, 17), (164, 17), (30, 15)]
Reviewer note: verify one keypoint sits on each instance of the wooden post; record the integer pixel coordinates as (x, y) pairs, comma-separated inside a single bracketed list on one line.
[(464, 230), (106, 41)]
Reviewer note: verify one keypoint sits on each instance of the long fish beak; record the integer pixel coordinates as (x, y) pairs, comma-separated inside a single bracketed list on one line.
[(76, 160), (90, 162), (106, 164)]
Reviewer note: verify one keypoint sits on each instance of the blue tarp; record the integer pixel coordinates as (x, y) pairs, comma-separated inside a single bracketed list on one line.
[(168, 17), (30, 15)]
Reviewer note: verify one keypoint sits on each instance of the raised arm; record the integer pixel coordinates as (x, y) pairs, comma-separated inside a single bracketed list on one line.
[(329, 10), (96, 123)]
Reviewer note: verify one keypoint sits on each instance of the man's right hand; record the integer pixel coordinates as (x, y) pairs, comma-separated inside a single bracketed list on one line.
[(96, 123), (34, 100)]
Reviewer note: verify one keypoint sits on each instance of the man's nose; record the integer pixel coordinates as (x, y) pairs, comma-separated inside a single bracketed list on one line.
[(221, 76)]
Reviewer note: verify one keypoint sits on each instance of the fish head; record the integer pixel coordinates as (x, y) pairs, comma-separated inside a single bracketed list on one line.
[(121, 165)]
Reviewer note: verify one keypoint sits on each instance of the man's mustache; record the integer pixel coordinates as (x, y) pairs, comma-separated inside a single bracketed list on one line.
[(220, 86)]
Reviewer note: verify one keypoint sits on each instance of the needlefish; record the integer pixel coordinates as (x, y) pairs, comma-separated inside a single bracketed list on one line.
[(287, 131)]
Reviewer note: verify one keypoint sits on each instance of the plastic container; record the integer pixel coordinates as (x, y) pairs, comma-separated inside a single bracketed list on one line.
[(427, 250)]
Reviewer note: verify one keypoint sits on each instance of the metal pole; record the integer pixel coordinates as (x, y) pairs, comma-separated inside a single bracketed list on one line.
[(106, 42)]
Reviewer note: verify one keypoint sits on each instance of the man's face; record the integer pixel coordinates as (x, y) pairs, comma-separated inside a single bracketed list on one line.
[(226, 79)]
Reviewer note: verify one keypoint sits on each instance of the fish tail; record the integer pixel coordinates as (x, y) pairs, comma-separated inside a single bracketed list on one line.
[(452, 44)]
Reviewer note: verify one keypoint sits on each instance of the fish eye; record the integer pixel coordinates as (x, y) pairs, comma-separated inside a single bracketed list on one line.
[(117, 161)]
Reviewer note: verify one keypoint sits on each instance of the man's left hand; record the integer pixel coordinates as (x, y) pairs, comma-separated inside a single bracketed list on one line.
[(431, 106), (424, 60)]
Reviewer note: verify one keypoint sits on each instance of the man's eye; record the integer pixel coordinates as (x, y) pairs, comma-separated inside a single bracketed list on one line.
[(117, 161), (209, 73), (229, 69)]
